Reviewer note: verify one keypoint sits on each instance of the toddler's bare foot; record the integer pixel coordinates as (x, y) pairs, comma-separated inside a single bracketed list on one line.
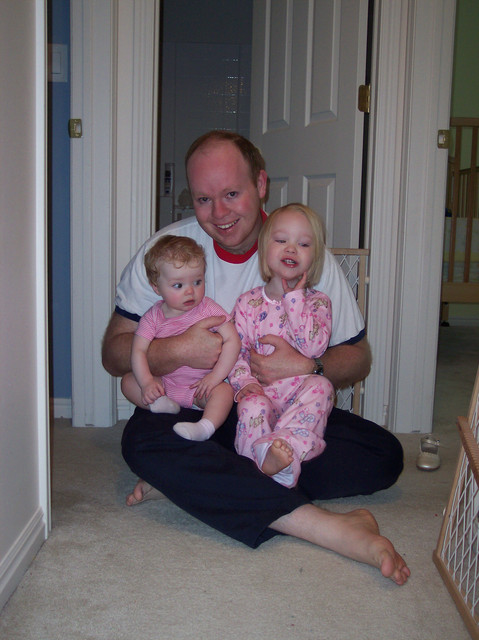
[(141, 493), (278, 457)]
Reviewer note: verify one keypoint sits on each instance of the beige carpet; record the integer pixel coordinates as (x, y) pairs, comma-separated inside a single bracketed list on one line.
[(153, 572)]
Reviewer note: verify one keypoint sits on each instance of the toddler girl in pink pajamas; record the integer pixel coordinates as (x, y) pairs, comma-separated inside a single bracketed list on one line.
[(283, 423)]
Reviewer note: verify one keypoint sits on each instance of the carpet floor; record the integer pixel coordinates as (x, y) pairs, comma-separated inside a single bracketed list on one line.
[(152, 572)]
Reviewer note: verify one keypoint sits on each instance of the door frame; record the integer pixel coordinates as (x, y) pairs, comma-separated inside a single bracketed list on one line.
[(411, 80), (114, 78)]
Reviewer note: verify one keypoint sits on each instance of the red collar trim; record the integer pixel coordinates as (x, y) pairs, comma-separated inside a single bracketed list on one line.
[(237, 258)]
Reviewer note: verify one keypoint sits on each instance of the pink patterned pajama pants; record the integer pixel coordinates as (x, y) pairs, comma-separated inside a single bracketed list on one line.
[(294, 409)]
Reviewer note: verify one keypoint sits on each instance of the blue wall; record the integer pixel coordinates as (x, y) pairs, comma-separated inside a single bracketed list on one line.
[(59, 209)]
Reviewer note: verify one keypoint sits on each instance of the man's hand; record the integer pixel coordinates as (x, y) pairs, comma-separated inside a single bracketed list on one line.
[(284, 362), (197, 347), (202, 347), (344, 364)]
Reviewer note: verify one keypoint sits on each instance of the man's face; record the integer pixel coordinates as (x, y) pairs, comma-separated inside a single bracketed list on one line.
[(226, 200)]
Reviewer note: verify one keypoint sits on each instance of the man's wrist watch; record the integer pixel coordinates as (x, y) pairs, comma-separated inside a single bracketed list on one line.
[(318, 367)]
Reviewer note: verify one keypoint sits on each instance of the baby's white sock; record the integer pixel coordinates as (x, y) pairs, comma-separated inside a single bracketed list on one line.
[(163, 404), (201, 430)]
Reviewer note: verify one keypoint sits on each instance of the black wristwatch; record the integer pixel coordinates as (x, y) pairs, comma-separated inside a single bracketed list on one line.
[(318, 367)]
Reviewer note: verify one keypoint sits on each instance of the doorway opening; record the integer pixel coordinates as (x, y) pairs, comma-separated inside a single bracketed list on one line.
[(458, 343), (205, 80), (205, 68)]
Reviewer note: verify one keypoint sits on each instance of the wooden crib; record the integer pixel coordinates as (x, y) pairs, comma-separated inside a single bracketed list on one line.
[(354, 263), (461, 239)]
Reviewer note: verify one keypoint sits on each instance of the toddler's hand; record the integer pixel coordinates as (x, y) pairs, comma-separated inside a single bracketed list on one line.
[(301, 284), (252, 389)]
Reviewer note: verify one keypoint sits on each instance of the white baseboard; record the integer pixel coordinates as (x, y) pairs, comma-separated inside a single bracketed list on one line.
[(20, 555), (62, 408), (125, 409)]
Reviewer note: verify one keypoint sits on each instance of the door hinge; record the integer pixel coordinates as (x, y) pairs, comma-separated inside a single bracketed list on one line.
[(364, 97), (75, 128)]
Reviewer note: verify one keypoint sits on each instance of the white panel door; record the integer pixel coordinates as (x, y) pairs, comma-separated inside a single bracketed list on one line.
[(114, 53), (308, 59)]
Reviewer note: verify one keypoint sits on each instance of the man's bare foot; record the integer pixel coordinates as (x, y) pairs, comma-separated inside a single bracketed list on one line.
[(278, 457), (354, 535), (370, 547), (142, 492)]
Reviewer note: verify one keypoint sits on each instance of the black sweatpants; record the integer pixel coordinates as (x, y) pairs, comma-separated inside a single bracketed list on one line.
[(212, 482)]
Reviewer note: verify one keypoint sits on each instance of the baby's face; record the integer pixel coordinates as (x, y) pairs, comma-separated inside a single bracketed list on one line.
[(182, 286)]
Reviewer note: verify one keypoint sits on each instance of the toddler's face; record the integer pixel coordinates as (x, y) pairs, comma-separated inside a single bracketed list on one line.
[(290, 249)]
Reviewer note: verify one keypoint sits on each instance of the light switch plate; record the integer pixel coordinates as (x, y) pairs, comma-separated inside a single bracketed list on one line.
[(58, 63)]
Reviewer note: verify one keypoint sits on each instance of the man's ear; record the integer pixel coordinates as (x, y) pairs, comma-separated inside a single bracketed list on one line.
[(262, 183)]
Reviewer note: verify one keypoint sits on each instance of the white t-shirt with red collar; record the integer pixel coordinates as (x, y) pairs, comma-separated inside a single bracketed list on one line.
[(229, 275)]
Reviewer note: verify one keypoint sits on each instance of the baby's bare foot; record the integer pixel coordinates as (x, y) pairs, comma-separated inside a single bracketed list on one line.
[(278, 457)]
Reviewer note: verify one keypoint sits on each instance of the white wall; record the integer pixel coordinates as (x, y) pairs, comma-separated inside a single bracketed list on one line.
[(23, 370)]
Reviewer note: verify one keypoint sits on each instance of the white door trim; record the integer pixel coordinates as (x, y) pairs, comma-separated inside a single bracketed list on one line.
[(136, 123), (91, 209), (114, 47), (41, 266), (385, 153), (412, 84)]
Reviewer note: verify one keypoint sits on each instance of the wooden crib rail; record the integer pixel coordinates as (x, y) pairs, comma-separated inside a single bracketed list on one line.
[(353, 262), (462, 202), (467, 208)]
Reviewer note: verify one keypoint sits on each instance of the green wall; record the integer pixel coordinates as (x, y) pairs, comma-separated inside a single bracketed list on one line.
[(465, 99), (465, 83)]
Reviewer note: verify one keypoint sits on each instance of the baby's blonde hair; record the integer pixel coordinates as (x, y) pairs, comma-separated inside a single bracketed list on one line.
[(319, 236), (171, 249)]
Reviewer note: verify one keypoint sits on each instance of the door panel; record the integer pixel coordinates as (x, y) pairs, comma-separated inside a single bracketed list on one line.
[(309, 58)]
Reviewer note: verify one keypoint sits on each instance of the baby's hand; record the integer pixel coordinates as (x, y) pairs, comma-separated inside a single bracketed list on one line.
[(205, 386), (252, 389), (151, 392)]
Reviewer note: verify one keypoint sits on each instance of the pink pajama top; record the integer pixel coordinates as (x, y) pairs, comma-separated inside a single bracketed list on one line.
[(302, 318)]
